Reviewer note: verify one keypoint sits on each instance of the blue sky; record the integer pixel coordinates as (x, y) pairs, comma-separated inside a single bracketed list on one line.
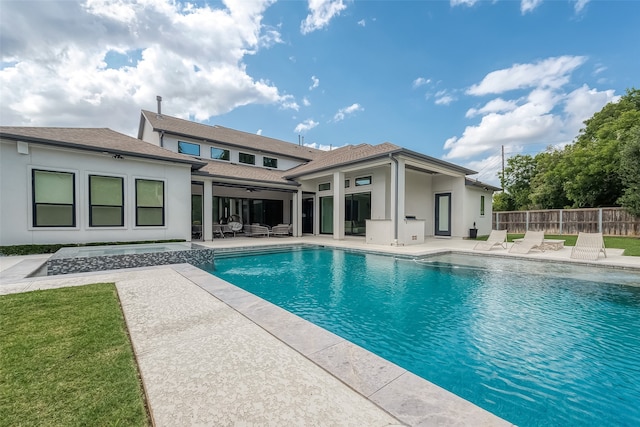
[(456, 80)]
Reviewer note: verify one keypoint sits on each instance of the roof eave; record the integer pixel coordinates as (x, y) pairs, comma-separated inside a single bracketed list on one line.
[(194, 164), (337, 165)]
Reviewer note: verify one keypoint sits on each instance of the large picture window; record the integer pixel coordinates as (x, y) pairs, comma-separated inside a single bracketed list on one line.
[(149, 202), (106, 201), (54, 199), (188, 148)]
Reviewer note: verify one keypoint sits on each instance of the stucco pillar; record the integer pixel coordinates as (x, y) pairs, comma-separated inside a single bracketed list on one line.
[(297, 214), (338, 206), (207, 212)]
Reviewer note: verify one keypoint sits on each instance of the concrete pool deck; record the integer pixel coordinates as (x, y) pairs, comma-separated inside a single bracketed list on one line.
[(212, 354)]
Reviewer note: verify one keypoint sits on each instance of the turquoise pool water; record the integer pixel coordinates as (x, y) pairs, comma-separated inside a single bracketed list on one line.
[(538, 344)]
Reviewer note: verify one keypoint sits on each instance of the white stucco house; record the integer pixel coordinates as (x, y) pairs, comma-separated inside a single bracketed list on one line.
[(64, 185)]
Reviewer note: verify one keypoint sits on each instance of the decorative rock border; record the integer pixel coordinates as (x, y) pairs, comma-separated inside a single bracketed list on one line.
[(192, 254)]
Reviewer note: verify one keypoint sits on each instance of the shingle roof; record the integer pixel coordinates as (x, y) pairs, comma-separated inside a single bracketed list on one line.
[(244, 173), (95, 139), (228, 136), (343, 156)]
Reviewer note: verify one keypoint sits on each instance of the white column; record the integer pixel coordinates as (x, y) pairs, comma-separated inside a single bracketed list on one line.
[(297, 214), (338, 206), (401, 202), (207, 212)]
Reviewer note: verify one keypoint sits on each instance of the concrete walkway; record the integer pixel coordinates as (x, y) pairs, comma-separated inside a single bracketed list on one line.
[(212, 354)]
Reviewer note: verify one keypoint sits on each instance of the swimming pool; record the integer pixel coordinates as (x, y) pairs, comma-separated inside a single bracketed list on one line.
[(535, 343)]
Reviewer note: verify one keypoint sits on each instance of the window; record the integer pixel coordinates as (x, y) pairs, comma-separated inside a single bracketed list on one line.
[(347, 183), (364, 180), (324, 187), (270, 162), (219, 154), (149, 202), (188, 148), (249, 159), (54, 199), (106, 201), (481, 205)]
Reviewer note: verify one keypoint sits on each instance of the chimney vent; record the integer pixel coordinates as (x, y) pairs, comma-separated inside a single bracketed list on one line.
[(159, 99)]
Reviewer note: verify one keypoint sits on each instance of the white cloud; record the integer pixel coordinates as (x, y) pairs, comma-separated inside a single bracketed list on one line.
[(463, 2), (362, 23), (529, 5), (420, 81), (497, 105), (59, 76), (580, 5), (321, 12), (315, 82), (545, 117), (306, 102), (306, 125), (550, 72), (320, 146), (343, 112), (444, 98)]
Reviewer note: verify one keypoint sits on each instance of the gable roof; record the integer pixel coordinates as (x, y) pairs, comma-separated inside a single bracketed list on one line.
[(348, 154), (226, 136), (352, 154), (96, 140)]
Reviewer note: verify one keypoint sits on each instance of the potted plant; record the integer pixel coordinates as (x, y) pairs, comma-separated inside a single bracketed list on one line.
[(473, 232)]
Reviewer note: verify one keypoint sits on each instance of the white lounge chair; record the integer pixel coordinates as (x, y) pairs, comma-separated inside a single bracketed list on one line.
[(588, 246), (281, 230), (532, 240), (259, 230), (496, 238)]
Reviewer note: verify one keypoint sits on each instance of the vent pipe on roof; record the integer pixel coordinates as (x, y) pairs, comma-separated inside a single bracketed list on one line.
[(159, 99)]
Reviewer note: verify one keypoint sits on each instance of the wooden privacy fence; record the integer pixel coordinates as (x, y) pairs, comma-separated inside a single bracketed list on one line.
[(608, 221)]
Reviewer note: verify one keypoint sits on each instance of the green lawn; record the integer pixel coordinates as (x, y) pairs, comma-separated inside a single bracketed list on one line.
[(631, 245), (66, 360)]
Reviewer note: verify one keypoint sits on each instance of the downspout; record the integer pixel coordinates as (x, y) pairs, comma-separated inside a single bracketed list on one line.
[(162, 138), (395, 205)]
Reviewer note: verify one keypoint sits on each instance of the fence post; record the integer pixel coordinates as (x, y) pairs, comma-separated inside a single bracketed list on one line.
[(497, 220), (600, 220), (561, 222), (527, 225)]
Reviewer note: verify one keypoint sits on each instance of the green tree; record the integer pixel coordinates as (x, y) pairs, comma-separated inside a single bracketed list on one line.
[(547, 186), (630, 172), (592, 164), (503, 202), (518, 174)]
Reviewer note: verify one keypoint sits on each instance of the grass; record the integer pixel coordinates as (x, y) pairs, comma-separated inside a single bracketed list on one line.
[(631, 245), (66, 360)]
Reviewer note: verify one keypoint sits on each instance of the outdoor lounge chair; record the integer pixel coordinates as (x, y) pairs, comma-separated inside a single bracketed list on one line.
[(259, 230), (588, 246), (531, 240), (496, 238), (281, 230)]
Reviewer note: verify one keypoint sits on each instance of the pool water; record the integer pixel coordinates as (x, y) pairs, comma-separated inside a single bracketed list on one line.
[(537, 344)]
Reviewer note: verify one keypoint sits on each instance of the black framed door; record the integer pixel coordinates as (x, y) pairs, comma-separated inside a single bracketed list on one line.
[(307, 215), (443, 214)]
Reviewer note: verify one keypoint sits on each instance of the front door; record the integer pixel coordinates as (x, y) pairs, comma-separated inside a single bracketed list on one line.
[(443, 214)]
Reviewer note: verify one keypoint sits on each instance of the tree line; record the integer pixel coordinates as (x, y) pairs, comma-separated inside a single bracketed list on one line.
[(601, 167)]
